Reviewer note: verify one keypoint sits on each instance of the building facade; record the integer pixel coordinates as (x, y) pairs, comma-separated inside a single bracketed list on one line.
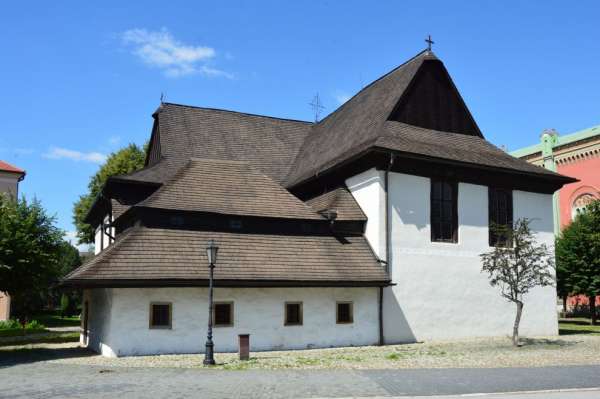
[(10, 176), (364, 228), (576, 155)]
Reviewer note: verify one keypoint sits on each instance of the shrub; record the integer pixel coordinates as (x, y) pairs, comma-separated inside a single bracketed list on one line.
[(9, 324)]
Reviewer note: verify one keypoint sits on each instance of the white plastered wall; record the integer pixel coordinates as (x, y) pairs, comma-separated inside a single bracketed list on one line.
[(368, 188), (257, 311), (440, 292)]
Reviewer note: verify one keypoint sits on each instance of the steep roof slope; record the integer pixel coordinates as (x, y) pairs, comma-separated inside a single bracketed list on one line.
[(414, 109), (402, 137), (356, 123), (227, 187), (143, 255), (268, 144)]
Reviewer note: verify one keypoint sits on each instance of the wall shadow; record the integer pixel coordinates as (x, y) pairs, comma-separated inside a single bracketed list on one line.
[(18, 356), (396, 328)]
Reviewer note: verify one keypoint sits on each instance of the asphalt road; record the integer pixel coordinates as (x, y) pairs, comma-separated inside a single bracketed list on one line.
[(47, 380)]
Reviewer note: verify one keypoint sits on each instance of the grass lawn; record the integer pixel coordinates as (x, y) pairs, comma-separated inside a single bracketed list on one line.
[(54, 320), (49, 337), (577, 325), (18, 332)]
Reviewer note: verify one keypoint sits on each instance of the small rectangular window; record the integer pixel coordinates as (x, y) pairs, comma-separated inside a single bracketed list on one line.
[(344, 313), (223, 314), (444, 210), (160, 315), (293, 314), (500, 214)]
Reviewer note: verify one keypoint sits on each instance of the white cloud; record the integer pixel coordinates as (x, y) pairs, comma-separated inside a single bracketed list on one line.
[(114, 140), (63, 153), (341, 97), (161, 50), (71, 237)]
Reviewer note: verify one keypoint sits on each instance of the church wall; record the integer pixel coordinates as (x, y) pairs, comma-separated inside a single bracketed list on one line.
[(257, 311), (368, 190), (440, 292), (100, 320)]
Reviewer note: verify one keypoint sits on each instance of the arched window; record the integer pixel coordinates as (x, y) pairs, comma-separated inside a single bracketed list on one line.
[(580, 203)]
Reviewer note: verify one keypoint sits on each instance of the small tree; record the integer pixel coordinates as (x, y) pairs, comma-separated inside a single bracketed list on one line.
[(518, 267), (578, 256)]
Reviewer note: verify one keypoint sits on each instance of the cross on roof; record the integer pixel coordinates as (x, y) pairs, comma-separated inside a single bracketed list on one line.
[(316, 106), (429, 42)]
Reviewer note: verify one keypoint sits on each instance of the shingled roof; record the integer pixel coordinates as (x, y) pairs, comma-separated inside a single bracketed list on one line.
[(144, 256), (268, 144), (340, 201), (366, 122), (227, 187)]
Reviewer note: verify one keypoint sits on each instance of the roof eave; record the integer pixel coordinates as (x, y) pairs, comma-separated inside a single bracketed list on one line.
[(170, 282)]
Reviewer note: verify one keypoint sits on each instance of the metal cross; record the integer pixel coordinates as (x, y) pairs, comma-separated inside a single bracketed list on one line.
[(316, 106), (429, 42)]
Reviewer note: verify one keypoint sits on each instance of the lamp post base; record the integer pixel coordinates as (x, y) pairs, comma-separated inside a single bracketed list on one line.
[(209, 359)]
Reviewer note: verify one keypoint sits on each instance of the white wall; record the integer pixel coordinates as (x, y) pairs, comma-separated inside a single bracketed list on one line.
[(440, 292), (99, 320), (368, 188), (101, 239), (257, 311)]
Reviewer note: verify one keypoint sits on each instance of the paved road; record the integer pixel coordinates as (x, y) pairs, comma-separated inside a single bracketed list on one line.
[(46, 380)]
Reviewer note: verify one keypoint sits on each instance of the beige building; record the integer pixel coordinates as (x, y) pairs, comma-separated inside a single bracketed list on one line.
[(10, 176)]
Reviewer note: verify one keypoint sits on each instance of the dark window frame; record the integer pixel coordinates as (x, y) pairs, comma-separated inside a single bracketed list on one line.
[(350, 312), (300, 321), (151, 322), (435, 225), (494, 214), (231, 314)]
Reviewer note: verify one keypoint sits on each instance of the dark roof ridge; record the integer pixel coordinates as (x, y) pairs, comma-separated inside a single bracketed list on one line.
[(425, 52), (235, 112)]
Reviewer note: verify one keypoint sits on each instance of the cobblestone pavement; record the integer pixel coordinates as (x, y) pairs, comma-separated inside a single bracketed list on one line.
[(47, 380)]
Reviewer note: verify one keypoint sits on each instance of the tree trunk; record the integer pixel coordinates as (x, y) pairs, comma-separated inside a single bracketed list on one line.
[(592, 300), (564, 298), (515, 337)]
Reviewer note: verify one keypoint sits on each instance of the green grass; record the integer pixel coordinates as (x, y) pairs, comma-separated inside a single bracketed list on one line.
[(578, 325), (18, 332), (54, 320), (57, 337), (12, 328)]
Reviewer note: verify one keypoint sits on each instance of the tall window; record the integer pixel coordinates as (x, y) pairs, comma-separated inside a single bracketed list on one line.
[(500, 206), (444, 213), (293, 314)]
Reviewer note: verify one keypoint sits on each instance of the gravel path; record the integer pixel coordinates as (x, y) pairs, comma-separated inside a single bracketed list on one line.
[(60, 381), (481, 353)]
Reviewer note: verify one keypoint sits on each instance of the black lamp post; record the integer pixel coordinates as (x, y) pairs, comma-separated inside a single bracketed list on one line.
[(211, 252)]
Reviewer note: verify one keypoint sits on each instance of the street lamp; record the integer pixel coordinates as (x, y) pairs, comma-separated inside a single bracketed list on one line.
[(211, 252)]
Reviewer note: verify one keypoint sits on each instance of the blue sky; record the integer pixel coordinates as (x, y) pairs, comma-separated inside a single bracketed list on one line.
[(79, 80)]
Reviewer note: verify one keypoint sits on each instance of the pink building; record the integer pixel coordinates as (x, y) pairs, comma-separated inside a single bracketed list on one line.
[(576, 155)]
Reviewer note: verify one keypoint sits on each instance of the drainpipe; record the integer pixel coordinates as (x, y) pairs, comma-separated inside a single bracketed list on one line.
[(388, 227), (388, 234)]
